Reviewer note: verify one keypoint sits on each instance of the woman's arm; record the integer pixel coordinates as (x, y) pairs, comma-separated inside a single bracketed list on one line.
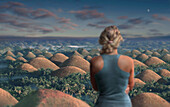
[(92, 73), (131, 79), (127, 89)]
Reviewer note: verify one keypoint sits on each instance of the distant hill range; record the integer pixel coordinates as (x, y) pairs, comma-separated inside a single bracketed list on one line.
[(13, 38)]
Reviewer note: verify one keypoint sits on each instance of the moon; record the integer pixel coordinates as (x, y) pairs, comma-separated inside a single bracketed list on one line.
[(148, 10)]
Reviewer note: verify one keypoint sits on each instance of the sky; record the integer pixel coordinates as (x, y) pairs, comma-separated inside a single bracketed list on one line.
[(84, 18)]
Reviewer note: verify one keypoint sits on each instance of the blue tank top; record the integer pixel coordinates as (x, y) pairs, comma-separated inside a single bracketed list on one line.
[(111, 83)]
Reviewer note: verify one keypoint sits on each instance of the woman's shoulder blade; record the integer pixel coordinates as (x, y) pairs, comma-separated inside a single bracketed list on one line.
[(126, 57)]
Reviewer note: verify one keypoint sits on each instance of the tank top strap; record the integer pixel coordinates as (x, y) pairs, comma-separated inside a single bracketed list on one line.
[(118, 55)]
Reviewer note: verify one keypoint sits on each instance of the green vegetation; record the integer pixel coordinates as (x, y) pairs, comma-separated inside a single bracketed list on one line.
[(75, 84)]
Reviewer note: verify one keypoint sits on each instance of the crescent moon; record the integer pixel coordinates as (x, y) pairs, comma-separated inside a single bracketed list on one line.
[(148, 10)]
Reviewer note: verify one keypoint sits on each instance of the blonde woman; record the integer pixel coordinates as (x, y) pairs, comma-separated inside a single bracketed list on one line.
[(112, 74)]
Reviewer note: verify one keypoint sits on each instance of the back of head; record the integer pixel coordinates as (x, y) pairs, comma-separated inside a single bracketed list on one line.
[(110, 38)]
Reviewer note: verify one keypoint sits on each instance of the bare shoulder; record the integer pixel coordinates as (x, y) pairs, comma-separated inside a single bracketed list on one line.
[(96, 61), (127, 59), (125, 56)]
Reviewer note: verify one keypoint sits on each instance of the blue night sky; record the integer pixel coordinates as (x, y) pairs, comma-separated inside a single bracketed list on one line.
[(84, 18)]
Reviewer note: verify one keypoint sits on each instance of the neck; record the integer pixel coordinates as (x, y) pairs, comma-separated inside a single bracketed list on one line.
[(114, 52)]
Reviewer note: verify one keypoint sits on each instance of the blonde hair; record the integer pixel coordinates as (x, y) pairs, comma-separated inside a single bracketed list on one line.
[(110, 38)]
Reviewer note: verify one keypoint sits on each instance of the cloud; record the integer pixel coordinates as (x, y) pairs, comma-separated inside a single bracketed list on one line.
[(64, 20), (73, 24), (3, 17), (23, 18), (33, 30), (26, 30), (4, 7), (40, 13), (134, 21), (157, 34), (43, 13), (148, 22), (154, 30), (33, 14), (3, 29), (105, 21), (44, 30), (21, 26), (67, 21), (96, 25), (138, 20), (27, 26), (84, 29), (57, 28), (11, 4), (122, 17), (11, 20), (65, 26), (22, 11), (87, 14), (125, 26), (17, 8), (164, 18)]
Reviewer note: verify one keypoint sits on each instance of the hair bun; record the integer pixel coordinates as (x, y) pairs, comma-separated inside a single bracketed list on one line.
[(110, 38)]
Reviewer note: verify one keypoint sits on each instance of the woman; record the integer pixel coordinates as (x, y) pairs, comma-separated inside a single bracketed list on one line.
[(112, 74)]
